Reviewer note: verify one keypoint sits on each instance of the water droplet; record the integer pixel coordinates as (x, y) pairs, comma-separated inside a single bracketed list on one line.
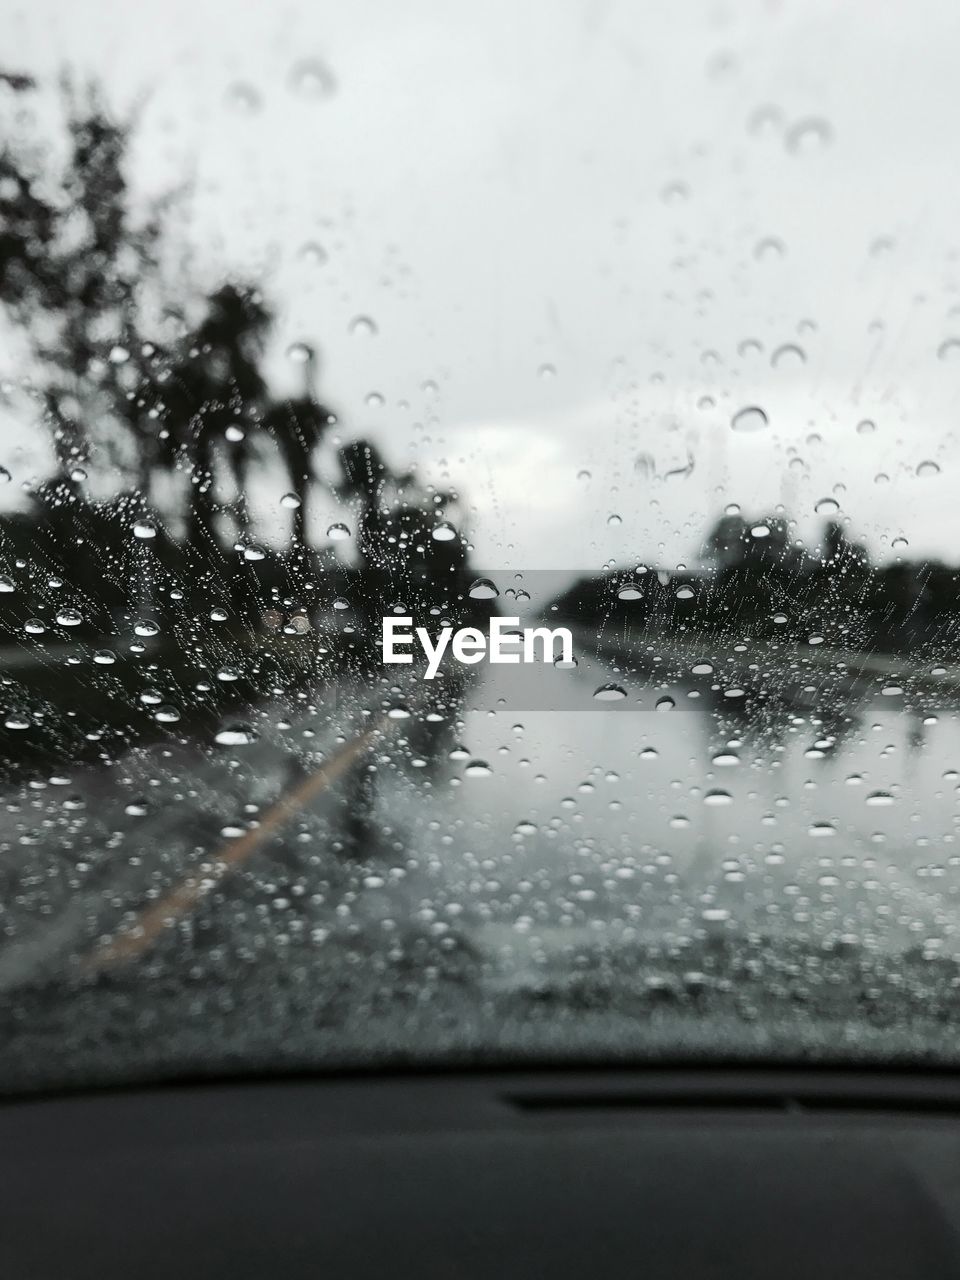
[(311, 78), (866, 428), (684, 593), (609, 693), (760, 531), (362, 327), (879, 798), (563, 665), (299, 352), (16, 721), (5, 476), (254, 552), (151, 697), (228, 674), (443, 532), (526, 828), (136, 809), (827, 507), (218, 615), (166, 715), (234, 433), (243, 98), (629, 591), (822, 830), (546, 372), (810, 134), (751, 418), (144, 531), (34, 627), (789, 356), (928, 468), (483, 589), (290, 501), (702, 668), (666, 703), (477, 769), (815, 640), (717, 797), (767, 119), (7, 584), (236, 735), (146, 627), (614, 520), (649, 753), (891, 691), (399, 712), (104, 658), (69, 618), (769, 248), (675, 192), (338, 532), (312, 253)]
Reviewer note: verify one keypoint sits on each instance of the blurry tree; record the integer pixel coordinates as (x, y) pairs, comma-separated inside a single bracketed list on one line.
[(210, 397), (396, 520), (839, 553), (725, 543), (73, 264), (298, 425)]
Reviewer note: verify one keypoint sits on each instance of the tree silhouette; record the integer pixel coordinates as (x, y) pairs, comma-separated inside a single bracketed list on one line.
[(297, 425), (211, 397), (72, 266), (396, 520)]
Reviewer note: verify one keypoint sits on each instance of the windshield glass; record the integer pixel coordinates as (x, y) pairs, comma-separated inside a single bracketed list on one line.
[(478, 547)]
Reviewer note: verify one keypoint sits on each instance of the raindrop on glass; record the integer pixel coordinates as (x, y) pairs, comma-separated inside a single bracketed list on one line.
[(362, 327), (810, 134), (610, 693), (751, 418)]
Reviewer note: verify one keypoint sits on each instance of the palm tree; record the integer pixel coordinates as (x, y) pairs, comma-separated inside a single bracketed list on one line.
[(215, 386), (298, 425), (366, 478)]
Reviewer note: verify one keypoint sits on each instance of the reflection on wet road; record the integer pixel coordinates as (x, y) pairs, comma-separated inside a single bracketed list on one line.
[(438, 837)]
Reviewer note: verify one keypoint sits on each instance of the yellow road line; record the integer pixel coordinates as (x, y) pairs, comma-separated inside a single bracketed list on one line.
[(137, 937)]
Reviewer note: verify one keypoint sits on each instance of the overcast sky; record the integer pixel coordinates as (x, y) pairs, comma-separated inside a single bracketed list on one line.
[(582, 232)]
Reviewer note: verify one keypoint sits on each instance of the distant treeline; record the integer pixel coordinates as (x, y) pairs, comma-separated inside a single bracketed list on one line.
[(759, 583)]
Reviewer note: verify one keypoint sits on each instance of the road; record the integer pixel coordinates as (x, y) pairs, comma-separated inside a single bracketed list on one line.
[(388, 831)]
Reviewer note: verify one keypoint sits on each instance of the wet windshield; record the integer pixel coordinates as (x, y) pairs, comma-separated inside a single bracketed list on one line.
[(478, 547)]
